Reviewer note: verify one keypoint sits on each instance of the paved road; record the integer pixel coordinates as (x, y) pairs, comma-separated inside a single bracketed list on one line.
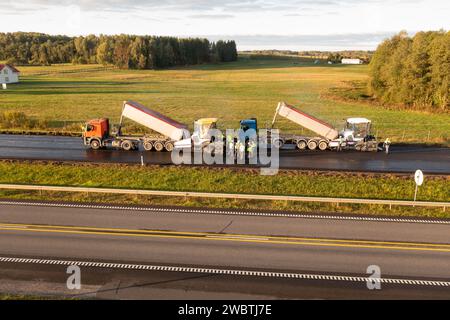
[(276, 244), (401, 159)]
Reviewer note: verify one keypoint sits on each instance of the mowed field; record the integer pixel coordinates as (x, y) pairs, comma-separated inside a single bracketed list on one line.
[(248, 88)]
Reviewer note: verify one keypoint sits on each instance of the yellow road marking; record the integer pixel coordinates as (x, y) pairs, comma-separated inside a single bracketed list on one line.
[(234, 235), (229, 237)]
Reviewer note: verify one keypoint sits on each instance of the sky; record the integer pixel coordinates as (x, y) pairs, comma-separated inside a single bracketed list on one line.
[(254, 24)]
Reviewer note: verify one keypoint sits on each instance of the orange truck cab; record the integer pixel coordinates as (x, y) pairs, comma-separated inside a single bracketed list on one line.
[(96, 132), (97, 135)]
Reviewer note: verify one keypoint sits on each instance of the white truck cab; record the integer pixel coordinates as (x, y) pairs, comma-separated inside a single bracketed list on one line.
[(201, 136), (356, 129)]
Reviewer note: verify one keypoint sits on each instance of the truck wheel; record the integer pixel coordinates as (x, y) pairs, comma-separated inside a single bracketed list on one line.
[(301, 144), (148, 146), (278, 143), (323, 145), (312, 145), (169, 146), (127, 145), (158, 146), (95, 145)]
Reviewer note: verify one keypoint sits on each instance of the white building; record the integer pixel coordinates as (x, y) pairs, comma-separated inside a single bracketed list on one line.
[(8, 74), (352, 61)]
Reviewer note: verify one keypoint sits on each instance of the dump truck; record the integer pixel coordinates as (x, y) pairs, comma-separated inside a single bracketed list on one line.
[(97, 135), (356, 134)]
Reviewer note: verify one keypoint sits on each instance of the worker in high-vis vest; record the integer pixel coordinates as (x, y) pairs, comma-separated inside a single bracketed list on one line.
[(230, 145), (251, 149), (341, 141), (240, 150), (386, 145)]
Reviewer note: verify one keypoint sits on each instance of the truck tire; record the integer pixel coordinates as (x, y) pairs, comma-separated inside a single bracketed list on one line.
[(159, 146), (278, 143), (301, 144), (323, 145), (312, 145), (169, 146), (95, 144), (127, 145), (148, 146)]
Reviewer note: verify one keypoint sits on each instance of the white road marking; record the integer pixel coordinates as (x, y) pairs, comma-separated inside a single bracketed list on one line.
[(266, 274), (224, 212)]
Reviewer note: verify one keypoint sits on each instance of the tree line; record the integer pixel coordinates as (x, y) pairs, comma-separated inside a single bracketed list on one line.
[(335, 56), (413, 71), (123, 51)]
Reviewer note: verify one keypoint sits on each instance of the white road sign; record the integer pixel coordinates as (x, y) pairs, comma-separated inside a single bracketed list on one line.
[(418, 177)]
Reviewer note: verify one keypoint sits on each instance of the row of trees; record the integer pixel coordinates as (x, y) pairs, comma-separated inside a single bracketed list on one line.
[(124, 51), (413, 71), (335, 56)]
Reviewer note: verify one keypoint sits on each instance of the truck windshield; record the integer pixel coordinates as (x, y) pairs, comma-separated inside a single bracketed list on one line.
[(360, 130), (203, 129)]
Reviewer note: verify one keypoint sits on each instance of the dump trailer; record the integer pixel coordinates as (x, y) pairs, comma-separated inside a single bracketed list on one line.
[(356, 134), (96, 133)]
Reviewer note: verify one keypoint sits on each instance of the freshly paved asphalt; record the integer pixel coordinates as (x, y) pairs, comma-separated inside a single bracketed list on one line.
[(402, 159)]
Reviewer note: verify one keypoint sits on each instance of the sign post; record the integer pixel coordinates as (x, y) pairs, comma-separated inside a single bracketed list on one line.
[(418, 178)]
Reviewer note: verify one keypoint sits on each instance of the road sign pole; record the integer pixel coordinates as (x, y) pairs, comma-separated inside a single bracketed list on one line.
[(415, 194), (418, 178)]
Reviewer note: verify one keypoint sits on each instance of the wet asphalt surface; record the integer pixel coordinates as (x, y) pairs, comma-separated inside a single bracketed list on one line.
[(401, 159)]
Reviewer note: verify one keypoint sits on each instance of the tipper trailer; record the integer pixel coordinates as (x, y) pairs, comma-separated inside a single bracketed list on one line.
[(356, 134), (96, 133)]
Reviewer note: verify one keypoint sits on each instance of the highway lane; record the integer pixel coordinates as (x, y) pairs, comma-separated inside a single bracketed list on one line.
[(414, 250), (226, 254), (115, 217), (401, 159), (111, 283)]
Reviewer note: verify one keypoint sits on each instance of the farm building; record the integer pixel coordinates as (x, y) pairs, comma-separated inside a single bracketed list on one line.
[(8, 74), (352, 61)]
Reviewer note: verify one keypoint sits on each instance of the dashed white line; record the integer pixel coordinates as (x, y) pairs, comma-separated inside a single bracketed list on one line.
[(234, 272), (224, 212)]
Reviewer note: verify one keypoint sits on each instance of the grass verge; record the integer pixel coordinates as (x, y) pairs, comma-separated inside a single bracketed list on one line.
[(320, 184), (7, 296)]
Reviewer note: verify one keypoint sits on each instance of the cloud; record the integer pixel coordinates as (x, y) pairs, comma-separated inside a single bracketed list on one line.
[(199, 9), (267, 18), (192, 5), (211, 16), (331, 42)]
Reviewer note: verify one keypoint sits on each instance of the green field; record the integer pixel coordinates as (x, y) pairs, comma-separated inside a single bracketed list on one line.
[(68, 94)]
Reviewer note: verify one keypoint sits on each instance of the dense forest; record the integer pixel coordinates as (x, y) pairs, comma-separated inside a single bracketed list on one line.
[(123, 51), (413, 71)]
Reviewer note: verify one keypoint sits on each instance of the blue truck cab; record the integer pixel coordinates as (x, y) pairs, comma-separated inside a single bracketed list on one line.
[(248, 128)]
